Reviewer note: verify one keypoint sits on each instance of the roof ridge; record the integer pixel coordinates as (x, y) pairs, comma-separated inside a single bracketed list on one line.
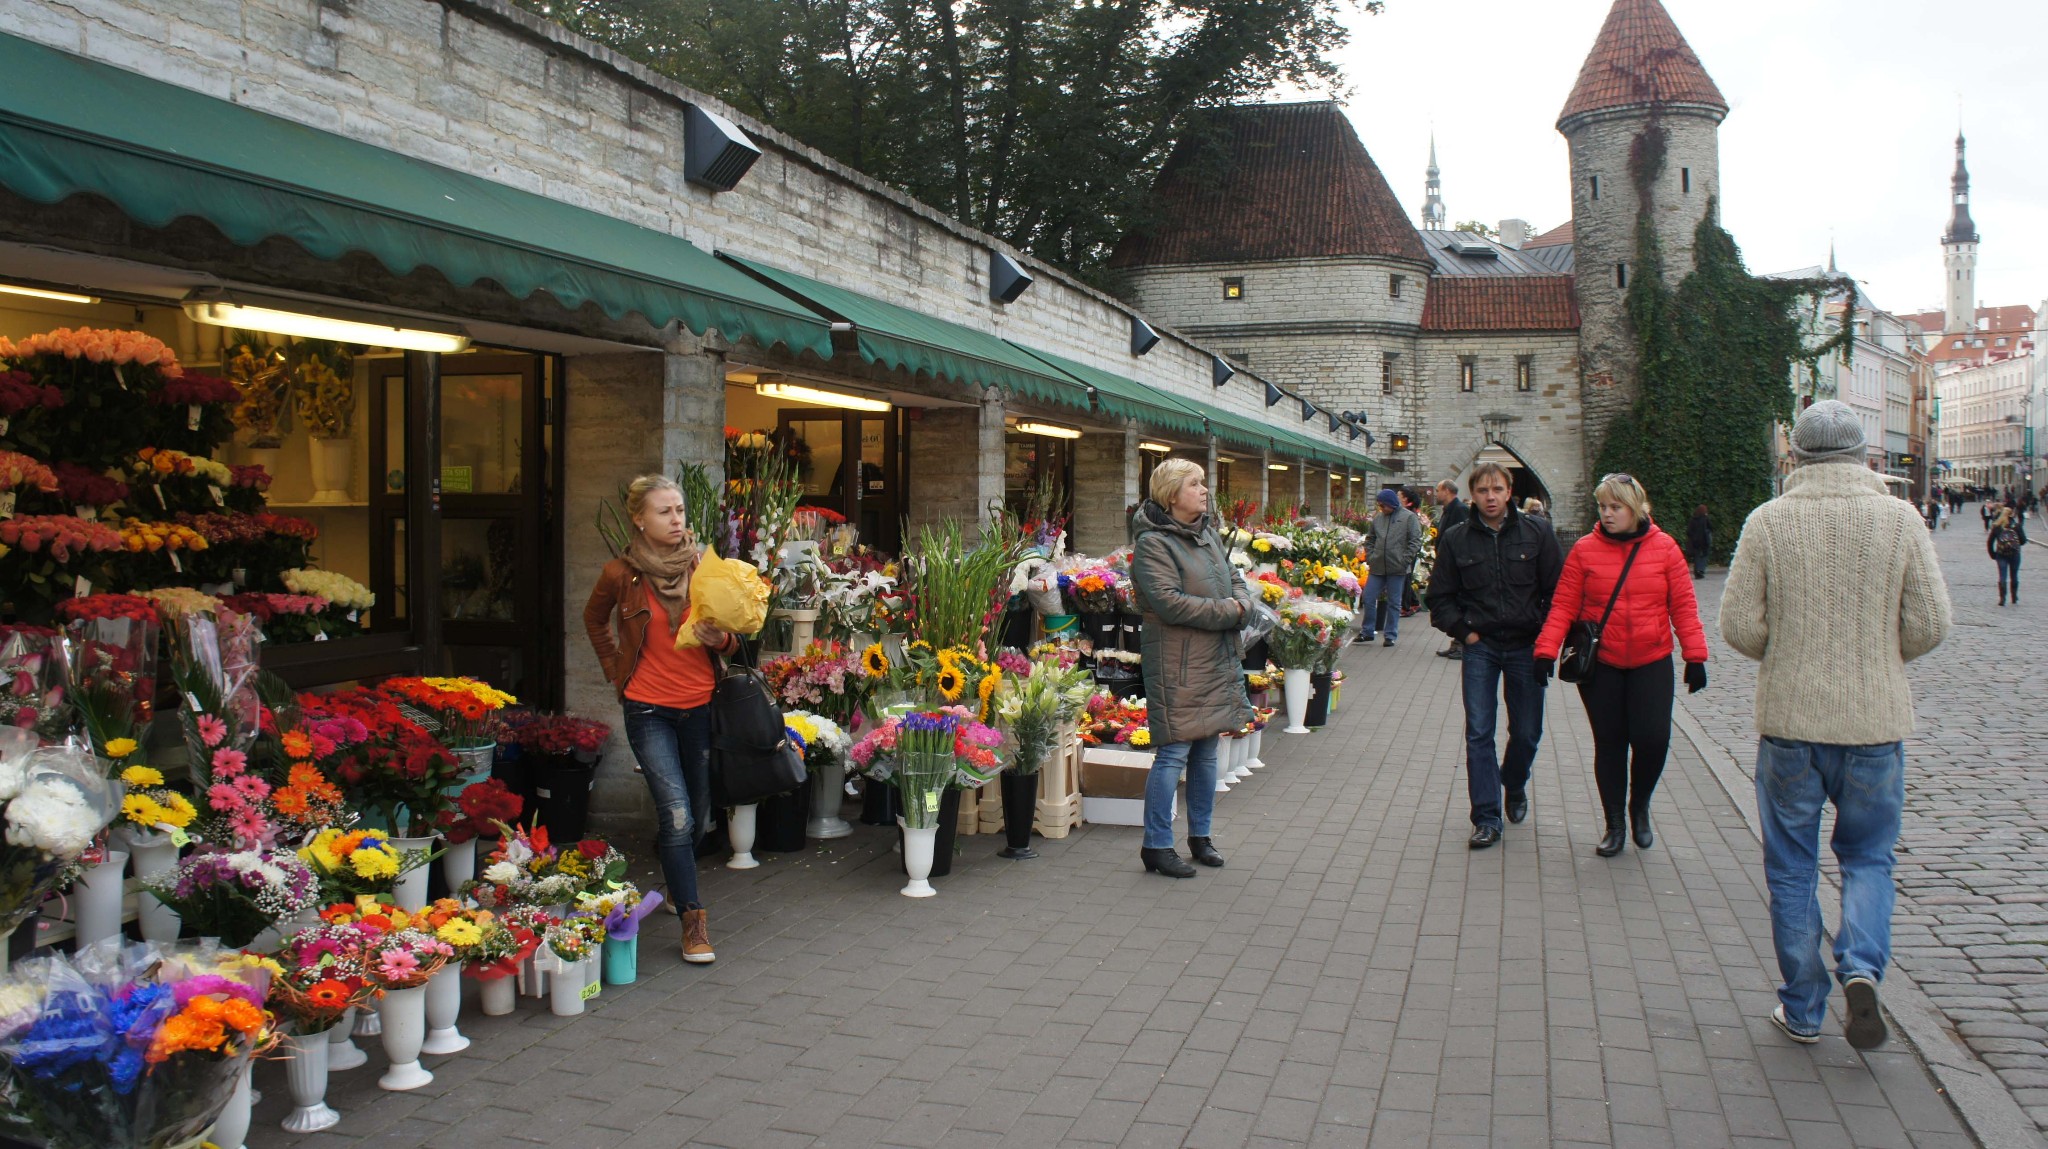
[(1640, 58)]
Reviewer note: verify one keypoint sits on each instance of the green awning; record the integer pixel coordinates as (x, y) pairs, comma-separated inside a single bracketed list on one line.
[(1251, 433), (71, 126), (1128, 398), (896, 336)]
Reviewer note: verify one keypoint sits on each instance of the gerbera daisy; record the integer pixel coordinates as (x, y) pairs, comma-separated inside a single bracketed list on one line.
[(298, 744), (211, 730), (329, 994)]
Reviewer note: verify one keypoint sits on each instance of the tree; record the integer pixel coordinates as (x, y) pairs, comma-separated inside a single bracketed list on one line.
[(1040, 122), (1477, 228)]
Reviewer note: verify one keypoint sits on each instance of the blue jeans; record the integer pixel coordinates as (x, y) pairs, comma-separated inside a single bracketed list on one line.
[(1198, 758), (1867, 784), (1491, 670), (2008, 572), (674, 749), (1391, 585)]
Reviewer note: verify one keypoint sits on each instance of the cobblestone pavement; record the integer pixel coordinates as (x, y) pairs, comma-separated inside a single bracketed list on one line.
[(1972, 920), (1356, 976)]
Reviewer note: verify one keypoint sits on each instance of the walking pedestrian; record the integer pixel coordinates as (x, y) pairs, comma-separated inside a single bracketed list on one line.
[(1194, 603), (1533, 507), (1629, 562), (1699, 540), (1449, 513), (2006, 542), (640, 599), (1834, 588), (1490, 589), (1390, 553)]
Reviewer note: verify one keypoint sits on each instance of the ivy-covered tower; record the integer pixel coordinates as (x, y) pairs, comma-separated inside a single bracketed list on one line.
[(1959, 253), (1642, 124)]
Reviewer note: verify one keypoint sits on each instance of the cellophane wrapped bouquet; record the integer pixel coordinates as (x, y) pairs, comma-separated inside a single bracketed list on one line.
[(56, 802), (1035, 703)]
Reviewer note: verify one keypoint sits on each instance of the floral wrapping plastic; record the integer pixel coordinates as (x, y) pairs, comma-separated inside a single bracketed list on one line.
[(726, 592), (57, 801)]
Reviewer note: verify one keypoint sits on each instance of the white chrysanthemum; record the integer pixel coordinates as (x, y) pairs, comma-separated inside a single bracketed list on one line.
[(53, 815)]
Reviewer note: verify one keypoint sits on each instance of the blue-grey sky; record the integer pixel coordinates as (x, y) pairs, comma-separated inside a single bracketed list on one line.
[(1842, 123)]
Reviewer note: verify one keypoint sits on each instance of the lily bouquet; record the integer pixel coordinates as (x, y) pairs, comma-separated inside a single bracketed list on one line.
[(1036, 704)]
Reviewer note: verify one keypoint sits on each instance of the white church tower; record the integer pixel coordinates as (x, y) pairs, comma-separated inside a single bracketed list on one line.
[(1959, 253), (1433, 193)]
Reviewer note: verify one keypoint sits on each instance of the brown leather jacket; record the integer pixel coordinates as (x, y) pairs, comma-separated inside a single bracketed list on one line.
[(619, 591)]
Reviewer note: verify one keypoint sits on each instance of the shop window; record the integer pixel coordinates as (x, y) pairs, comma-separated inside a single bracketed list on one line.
[(1468, 369), (1525, 370)]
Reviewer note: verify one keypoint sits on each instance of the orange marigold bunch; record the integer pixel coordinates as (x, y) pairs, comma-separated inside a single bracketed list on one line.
[(206, 1025)]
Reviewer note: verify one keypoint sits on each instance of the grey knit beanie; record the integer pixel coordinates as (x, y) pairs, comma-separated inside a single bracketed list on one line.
[(1828, 432)]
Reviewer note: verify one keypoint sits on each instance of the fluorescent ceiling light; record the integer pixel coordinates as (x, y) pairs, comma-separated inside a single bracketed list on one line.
[(1225, 459), (1162, 448), (1276, 466), (1052, 430), (41, 293), (796, 393), (1358, 478), (306, 321)]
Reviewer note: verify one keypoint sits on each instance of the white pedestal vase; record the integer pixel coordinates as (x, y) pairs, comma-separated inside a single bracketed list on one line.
[(152, 854), (410, 890), (444, 1005), (341, 1043), (369, 1023), (405, 1027), (1223, 778), (458, 864), (918, 849), (1240, 757), (96, 899), (333, 466), (232, 1128), (741, 832), (827, 796), (1298, 690), (498, 996), (305, 1071), (1257, 740)]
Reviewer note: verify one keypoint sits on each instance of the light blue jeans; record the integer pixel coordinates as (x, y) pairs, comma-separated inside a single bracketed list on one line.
[(1198, 759), (1392, 585), (1867, 784)]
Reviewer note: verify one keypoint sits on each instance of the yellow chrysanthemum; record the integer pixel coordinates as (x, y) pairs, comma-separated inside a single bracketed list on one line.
[(873, 661), (951, 684), (457, 932), (122, 748), (374, 864), (138, 775)]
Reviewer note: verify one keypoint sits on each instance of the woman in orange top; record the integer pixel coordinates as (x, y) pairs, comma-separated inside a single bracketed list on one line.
[(632, 617)]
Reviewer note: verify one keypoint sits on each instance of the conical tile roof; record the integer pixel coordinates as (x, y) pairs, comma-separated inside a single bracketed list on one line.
[(1639, 59)]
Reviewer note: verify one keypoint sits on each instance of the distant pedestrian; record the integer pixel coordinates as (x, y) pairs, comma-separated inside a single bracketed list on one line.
[(1449, 513), (1490, 589), (1533, 507), (1699, 540), (2006, 542), (1390, 554), (1834, 588)]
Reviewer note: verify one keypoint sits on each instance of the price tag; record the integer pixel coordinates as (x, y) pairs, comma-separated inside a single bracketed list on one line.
[(81, 586), (192, 417), (6, 504), (160, 497), (175, 564), (192, 701), (3, 426), (178, 836), (540, 793), (590, 991), (320, 636), (352, 615), (85, 511), (120, 378), (218, 501)]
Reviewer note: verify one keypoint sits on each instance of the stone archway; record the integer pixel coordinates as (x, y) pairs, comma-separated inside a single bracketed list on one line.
[(1528, 482)]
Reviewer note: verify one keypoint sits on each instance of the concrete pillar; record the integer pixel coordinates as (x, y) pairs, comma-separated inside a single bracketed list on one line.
[(1105, 483), (956, 464), (1216, 492), (1300, 484), (1265, 480), (1325, 473)]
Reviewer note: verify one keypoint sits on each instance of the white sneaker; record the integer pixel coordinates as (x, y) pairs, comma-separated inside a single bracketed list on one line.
[(1785, 1027)]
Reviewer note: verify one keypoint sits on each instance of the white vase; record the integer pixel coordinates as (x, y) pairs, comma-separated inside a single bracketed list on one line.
[(565, 992), (1223, 778), (1240, 757), (405, 1027), (232, 1127), (1298, 688), (1251, 754), (918, 847), (741, 831), (369, 1023), (410, 890), (533, 980), (499, 996), (827, 796), (152, 854), (333, 466), (305, 1072), (444, 1005), (96, 899), (458, 864), (341, 1044)]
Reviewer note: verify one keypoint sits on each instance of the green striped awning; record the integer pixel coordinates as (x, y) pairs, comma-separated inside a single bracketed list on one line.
[(1128, 398)]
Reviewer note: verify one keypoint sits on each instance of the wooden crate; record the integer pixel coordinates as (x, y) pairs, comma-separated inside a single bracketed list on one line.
[(1059, 788)]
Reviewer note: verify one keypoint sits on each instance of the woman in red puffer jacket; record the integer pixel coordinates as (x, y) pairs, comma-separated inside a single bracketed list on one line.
[(1628, 695)]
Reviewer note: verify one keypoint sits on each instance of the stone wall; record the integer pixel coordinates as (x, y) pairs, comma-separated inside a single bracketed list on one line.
[(1106, 466), (956, 464), (1542, 425)]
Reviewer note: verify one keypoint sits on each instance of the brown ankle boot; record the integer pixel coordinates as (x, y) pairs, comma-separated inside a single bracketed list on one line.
[(697, 939)]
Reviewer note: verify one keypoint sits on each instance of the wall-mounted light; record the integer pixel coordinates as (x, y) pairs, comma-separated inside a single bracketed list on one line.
[(46, 293), (1274, 394), (321, 321), (716, 154), (1334, 422), (1143, 338), (1308, 410), (1399, 442), (1007, 278), (1354, 431), (1050, 430), (798, 393), (1220, 371)]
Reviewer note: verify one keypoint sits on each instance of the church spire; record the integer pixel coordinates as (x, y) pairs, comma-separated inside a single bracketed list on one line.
[(1959, 253), (1961, 229), (1433, 192)]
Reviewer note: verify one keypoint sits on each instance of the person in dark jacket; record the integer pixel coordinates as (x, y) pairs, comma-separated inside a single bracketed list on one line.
[(1491, 591), (1391, 551), (1699, 541), (1195, 604), (1449, 513), (2005, 542)]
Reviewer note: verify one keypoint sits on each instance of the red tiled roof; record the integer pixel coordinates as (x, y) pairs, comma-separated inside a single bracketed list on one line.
[(1500, 303), (2012, 323), (1640, 58), (1271, 182), (1556, 237)]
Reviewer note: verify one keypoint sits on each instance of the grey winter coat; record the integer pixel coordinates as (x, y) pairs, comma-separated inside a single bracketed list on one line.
[(1396, 542), (1194, 603)]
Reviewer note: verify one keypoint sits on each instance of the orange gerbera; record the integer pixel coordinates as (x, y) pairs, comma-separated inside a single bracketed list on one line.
[(289, 802), (329, 994), (298, 745)]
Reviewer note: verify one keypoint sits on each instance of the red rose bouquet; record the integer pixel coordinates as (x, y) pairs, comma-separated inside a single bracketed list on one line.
[(479, 809)]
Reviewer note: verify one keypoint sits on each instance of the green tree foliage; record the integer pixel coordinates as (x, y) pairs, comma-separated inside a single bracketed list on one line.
[(1715, 358), (1041, 122)]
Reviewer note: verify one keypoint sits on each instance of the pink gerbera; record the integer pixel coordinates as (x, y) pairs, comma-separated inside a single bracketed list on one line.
[(211, 730), (229, 763), (396, 965)]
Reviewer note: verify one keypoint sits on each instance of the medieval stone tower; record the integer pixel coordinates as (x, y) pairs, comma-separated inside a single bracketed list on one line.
[(1641, 82)]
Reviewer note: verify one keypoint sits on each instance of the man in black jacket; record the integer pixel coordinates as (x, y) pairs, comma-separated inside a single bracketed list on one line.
[(1490, 590), (1450, 512)]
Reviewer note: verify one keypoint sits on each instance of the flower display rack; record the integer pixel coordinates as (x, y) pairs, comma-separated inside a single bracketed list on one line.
[(1059, 789)]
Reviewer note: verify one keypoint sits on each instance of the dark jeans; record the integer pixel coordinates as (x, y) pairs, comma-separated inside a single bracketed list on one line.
[(2008, 573), (1491, 670), (1631, 715), (674, 749)]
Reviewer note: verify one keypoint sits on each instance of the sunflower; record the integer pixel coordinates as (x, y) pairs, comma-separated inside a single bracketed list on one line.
[(951, 683), (874, 662), (990, 683)]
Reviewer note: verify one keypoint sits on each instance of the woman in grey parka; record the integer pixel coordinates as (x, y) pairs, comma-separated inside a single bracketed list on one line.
[(1194, 603)]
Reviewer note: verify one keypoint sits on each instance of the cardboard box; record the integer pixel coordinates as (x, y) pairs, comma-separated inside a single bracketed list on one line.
[(1118, 811), (1114, 773)]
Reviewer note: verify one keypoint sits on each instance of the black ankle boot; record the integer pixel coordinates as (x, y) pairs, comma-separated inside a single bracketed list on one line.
[(1645, 838), (1203, 851), (1166, 862), (1616, 838)]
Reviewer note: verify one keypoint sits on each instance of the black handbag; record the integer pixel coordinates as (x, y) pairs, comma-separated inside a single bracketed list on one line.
[(1582, 640), (751, 753)]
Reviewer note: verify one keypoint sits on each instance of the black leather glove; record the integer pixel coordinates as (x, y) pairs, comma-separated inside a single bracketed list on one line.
[(1695, 677), (1545, 667)]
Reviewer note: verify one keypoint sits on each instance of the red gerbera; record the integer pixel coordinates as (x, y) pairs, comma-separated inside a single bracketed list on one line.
[(591, 848), (329, 994)]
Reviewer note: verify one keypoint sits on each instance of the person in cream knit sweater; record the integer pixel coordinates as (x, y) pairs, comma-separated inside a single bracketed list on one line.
[(1834, 588)]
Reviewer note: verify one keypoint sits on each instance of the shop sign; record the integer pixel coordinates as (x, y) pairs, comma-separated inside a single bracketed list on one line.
[(457, 480)]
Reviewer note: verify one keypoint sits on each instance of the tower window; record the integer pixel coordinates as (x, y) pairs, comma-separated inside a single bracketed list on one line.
[(1233, 287), (1596, 187), (1685, 180), (1525, 369), (1621, 275), (1387, 371), (1468, 366), (1394, 286)]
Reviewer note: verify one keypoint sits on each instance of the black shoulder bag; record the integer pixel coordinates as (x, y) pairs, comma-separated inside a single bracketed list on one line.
[(751, 753), (1582, 641)]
